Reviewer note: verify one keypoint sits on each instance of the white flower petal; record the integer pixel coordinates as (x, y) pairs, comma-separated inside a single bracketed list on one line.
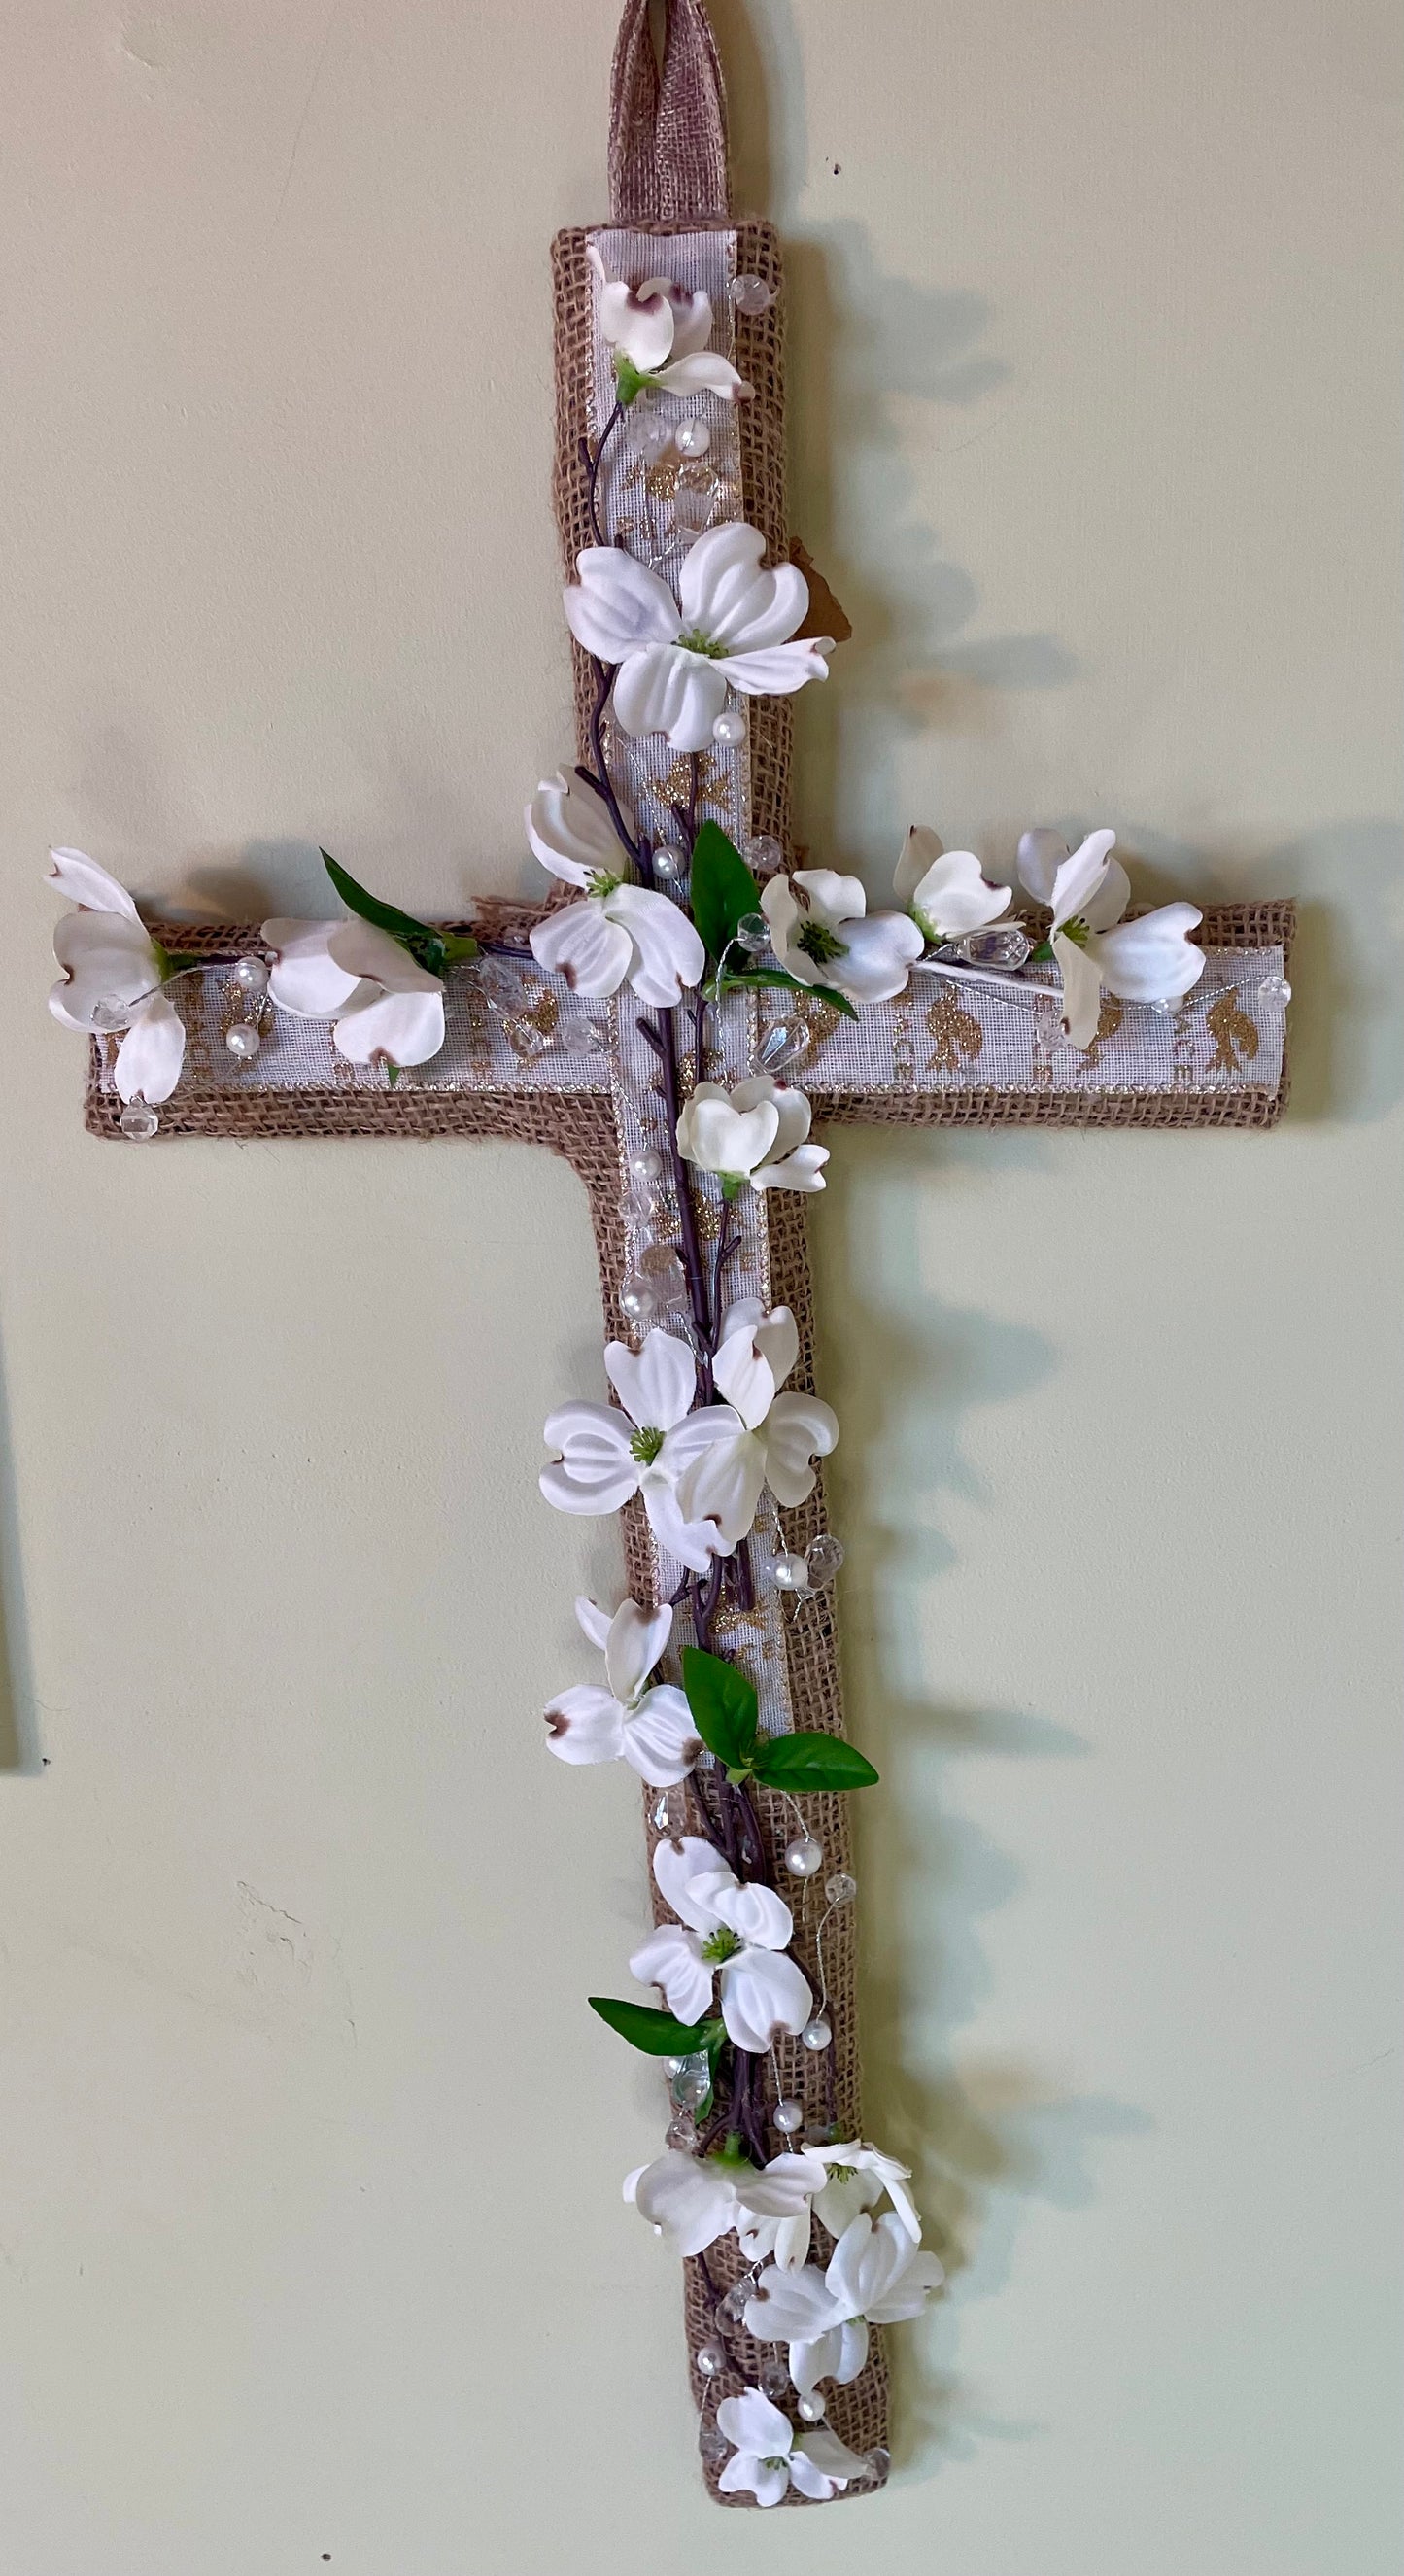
[(685, 1869), (793, 1114), (581, 942), (689, 2197), (1109, 902), (723, 1484), (791, 2307), (764, 1995), (878, 956), (747, 2474), (724, 594), (757, 1914), (830, 2455), (108, 958), (656, 1385), (753, 2424), (305, 978), (719, 1138), (151, 1054), (667, 954), (692, 313), (633, 1642), (360, 948), (1153, 959), (74, 874), (826, 896), (594, 1622), (618, 605), (596, 1471), (743, 1376), (1041, 854), (783, 2188), (663, 688), (779, 670), (802, 1170), (920, 852), (1082, 989), (693, 1543), (640, 323), (797, 1429), (585, 1725), (821, 2359), (955, 897), (570, 832), (702, 373), (1079, 877), (660, 1737), (669, 1958), (404, 1027)]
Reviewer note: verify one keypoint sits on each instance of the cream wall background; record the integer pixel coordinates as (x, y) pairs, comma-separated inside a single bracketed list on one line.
[(311, 2249)]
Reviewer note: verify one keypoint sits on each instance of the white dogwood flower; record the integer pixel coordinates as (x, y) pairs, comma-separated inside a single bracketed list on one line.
[(386, 1008), (620, 930), (737, 1931), (780, 1435), (768, 2458), (823, 933), (756, 1132), (650, 1729), (605, 1455), (876, 2277), (696, 2199), (946, 891), (1149, 960), (113, 972), (846, 2180), (731, 624), (659, 334)]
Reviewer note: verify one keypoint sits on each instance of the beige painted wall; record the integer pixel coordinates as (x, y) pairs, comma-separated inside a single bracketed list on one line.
[(310, 2239)]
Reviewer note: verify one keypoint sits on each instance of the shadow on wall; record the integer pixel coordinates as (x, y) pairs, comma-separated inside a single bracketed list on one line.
[(19, 1748), (983, 2142)]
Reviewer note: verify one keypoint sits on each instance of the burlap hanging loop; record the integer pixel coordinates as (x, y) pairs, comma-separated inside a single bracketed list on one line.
[(667, 133)]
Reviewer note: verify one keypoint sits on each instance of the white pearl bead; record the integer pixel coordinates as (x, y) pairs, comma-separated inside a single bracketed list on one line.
[(243, 1040), (730, 727), (668, 863), (251, 975), (692, 438), (817, 2034), (804, 1857), (788, 2116), (647, 1165), (789, 1573), (711, 2360), (810, 2410)]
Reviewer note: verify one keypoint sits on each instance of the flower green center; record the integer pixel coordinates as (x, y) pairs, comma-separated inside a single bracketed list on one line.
[(818, 942), (601, 884), (645, 1445), (719, 1945), (843, 2173), (694, 641), (1077, 931)]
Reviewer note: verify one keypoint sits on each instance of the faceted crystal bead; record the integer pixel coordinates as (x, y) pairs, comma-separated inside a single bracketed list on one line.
[(681, 2134), (661, 1814), (774, 2381), (582, 1037), (713, 2445), (638, 1204), (1004, 946), (1275, 988), (753, 933), (692, 437), (111, 1014), (751, 294), (649, 428), (692, 2082), (822, 1559), (841, 1888), (783, 1044), (139, 1121), (731, 2307), (695, 497), (499, 984)]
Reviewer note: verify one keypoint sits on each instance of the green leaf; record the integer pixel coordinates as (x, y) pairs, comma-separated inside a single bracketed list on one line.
[(723, 889), (656, 2033), (811, 1762), (723, 1705), (776, 975), (1041, 955), (435, 950)]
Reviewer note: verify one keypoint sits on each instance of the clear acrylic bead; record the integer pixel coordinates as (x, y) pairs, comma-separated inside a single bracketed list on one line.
[(638, 1204), (878, 2460), (110, 1014), (1275, 988), (528, 1040), (763, 855), (774, 2381), (1161, 1007), (692, 2082), (499, 984), (821, 2133), (695, 498), (139, 1121), (713, 2445), (782, 1045), (841, 1888), (810, 2410), (661, 1814), (681, 2134), (582, 1037), (649, 428), (243, 1039), (753, 933), (751, 294), (731, 728), (822, 1560), (731, 2307)]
